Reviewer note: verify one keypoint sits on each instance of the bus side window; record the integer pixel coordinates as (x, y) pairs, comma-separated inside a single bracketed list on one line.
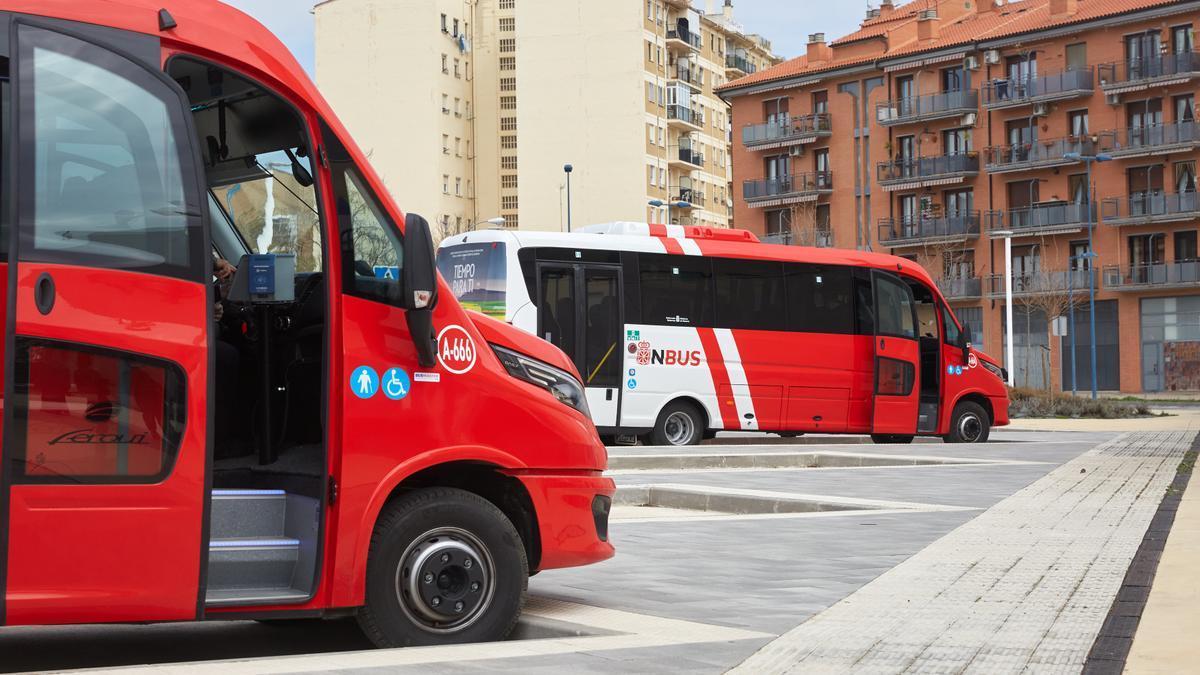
[(819, 299), (951, 329), (750, 295), (676, 290), (864, 305)]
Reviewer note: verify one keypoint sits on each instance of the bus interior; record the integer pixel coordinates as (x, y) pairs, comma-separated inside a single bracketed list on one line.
[(269, 464), (929, 337)]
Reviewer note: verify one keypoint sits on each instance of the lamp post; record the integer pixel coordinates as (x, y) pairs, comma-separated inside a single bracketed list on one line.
[(658, 204), (1089, 160), (498, 222), (567, 168), (1008, 304)]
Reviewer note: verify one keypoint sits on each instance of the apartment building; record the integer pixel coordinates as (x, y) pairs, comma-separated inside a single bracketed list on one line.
[(472, 108), (941, 128)]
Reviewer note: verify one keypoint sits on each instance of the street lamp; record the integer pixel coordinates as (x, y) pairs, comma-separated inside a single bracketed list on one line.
[(1008, 304), (567, 168), (1089, 160), (681, 205), (498, 222)]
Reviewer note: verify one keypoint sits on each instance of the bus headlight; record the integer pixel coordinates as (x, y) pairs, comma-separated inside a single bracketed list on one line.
[(558, 382), (995, 370)]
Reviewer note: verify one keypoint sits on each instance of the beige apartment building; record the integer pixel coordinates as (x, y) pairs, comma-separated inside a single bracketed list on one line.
[(470, 109)]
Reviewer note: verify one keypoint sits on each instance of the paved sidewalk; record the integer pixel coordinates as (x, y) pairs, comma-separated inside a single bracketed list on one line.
[(1178, 419), (1027, 584)]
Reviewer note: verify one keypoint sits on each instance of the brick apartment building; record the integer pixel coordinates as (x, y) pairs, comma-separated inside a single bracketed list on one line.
[(942, 125)]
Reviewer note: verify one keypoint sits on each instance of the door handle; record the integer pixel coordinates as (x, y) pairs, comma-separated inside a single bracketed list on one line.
[(882, 343), (44, 293)]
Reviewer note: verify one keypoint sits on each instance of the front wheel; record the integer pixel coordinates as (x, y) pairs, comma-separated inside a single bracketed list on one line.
[(445, 567), (969, 424), (881, 439), (680, 423)]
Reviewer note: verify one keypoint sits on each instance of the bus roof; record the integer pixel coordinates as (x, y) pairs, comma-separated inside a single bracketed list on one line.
[(590, 239)]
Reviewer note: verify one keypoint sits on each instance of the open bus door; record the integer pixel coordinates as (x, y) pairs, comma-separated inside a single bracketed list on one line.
[(107, 361), (897, 357)]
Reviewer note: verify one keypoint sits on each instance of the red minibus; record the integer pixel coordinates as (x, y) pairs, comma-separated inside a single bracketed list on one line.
[(230, 388), (680, 332)]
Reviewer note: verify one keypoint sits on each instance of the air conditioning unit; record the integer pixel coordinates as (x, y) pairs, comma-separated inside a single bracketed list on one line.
[(991, 57), (797, 151), (971, 62), (969, 120), (1113, 99), (1041, 109), (887, 114)]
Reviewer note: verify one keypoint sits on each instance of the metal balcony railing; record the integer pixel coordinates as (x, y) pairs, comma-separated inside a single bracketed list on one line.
[(927, 107), (1148, 69), (1152, 275), (1038, 154), (909, 231), (1009, 93), (741, 63), (795, 129), (687, 155), (686, 73), (692, 39), (820, 238), (795, 185), (690, 195), (918, 168), (685, 114), (1150, 207), (1031, 219), (1043, 282), (1153, 138), (963, 287)]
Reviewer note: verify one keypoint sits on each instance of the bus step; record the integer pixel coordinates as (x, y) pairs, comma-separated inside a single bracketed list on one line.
[(243, 514), (252, 563)]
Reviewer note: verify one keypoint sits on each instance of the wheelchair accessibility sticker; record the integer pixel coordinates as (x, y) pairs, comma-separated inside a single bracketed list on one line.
[(364, 382), (396, 384)]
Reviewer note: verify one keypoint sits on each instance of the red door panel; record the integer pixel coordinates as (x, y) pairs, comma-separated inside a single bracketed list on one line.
[(897, 357), (817, 408)]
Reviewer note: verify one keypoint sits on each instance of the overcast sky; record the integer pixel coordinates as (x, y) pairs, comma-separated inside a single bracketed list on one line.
[(786, 23)]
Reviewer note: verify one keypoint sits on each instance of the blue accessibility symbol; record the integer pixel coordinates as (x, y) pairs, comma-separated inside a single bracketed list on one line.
[(632, 372), (958, 370), (396, 384), (632, 383), (364, 382)]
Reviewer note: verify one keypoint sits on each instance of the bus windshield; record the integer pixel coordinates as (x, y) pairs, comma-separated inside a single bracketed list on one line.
[(477, 276)]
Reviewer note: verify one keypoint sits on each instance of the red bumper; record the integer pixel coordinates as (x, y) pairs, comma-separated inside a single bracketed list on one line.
[(572, 513), (999, 410)]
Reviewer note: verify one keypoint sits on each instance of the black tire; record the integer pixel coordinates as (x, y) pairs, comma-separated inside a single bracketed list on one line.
[(969, 424), (893, 439), (470, 552), (791, 434), (680, 423)]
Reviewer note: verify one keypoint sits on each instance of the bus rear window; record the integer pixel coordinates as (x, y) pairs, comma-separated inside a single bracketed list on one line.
[(477, 274)]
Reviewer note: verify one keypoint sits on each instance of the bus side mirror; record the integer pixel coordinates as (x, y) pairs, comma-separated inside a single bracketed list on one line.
[(420, 287), (964, 341)]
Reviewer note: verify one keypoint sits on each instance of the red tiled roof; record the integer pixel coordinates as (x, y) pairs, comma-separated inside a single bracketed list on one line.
[(1014, 18)]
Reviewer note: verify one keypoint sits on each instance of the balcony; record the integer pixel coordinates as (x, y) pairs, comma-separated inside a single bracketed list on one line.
[(1145, 209), (797, 130), (1037, 155), (1155, 139), (683, 116), (683, 40), (685, 158), (820, 238), (738, 66), (1152, 277), (1138, 74), (927, 108), (805, 187), (690, 195), (682, 71), (905, 174), (1052, 218), (899, 233), (1002, 93), (1041, 283), (969, 288)]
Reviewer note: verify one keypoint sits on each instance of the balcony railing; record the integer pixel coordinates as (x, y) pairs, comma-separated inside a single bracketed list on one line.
[(796, 187), (1010, 93), (1042, 283), (895, 232), (927, 107), (1155, 207), (690, 195), (739, 63), (682, 113), (915, 169), (820, 238), (1037, 155), (685, 36), (793, 131), (1042, 219), (961, 288), (1116, 76), (1156, 139), (689, 156), (684, 73), (1152, 276)]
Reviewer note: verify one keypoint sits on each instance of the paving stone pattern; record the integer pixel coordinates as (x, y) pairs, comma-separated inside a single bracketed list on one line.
[(1026, 586)]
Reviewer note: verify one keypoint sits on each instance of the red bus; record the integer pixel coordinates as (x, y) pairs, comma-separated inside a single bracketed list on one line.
[(230, 388), (681, 332)]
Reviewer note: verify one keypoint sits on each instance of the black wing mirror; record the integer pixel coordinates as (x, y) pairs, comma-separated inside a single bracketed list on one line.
[(964, 341), (420, 287)]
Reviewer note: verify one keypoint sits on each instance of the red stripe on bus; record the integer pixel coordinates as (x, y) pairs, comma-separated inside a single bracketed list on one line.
[(720, 376), (672, 245), (658, 230)]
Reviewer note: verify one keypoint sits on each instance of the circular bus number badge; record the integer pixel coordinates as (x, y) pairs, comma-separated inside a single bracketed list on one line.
[(456, 349)]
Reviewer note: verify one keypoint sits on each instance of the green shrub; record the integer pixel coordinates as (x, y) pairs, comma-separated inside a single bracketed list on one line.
[(1035, 403)]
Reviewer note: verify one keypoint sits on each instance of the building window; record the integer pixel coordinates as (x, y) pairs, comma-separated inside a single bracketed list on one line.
[(458, 147), (508, 84), (508, 24), (509, 163), (508, 63), (779, 223), (1185, 246), (508, 181), (458, 186), (1077, 120), (445, 26), (508, 4), (508, 202), (445, 64), (445, 104), (508, 46), (445, 184), (508, 124), (508, 142), (508, 102), (455, 31), (1077, 56), (457, 68), (445, 144)]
